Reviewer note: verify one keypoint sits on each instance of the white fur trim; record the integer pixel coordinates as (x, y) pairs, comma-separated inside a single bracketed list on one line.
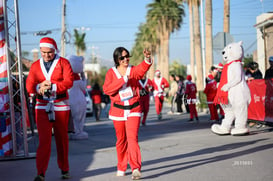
[(125, 78), (48, 45), (148, 60)]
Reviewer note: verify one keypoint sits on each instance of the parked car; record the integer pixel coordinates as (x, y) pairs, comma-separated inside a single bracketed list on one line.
[(89, 104)]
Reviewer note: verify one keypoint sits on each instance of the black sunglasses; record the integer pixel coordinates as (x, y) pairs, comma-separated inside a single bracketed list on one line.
[(123, 57)]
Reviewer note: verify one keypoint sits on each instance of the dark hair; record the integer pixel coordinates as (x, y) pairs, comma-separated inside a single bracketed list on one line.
[(212, 68), (118, 53), (173, 76), (96, 86), (253, 65)]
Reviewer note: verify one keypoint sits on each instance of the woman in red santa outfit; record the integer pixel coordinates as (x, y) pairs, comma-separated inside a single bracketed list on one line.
[(49, 79), (159, 84), (121, 84), (146, 86), (191, 98)]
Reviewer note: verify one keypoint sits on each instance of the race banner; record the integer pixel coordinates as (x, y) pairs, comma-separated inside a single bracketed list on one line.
[(261, 105), (5, 124)]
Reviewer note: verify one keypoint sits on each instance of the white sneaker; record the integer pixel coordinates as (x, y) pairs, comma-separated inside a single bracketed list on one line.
[(120, 173), (136, 174)]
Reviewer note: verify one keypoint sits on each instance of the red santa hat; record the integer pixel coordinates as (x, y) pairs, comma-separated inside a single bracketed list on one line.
[(189, 77), (49, 43), (157, 72), (220, 66)]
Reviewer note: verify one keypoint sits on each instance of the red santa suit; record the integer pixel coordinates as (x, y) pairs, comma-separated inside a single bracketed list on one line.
[(191, 97), (61, 76), (144, 100), (159, 84), (125, 111), (210, 91)]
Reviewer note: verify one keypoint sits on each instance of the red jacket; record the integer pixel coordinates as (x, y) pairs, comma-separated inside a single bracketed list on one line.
[(191, 90), (147, 85), (96, 96), (211, 90), (115, 83), (159, 85), (60, 75)]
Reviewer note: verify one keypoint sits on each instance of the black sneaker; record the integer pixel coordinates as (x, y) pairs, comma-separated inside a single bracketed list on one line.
[(190, 120), (39, 178), (65, 175)]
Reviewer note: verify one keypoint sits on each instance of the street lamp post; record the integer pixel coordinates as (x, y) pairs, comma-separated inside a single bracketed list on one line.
[(63, 29)]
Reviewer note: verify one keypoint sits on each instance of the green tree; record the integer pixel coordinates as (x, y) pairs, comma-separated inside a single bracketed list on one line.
[(247, 59), (79, 42), (166, 16), (178, 69)]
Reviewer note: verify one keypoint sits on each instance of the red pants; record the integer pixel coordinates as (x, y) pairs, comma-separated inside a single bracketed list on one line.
[(213, 111), (158, 104), (44, 127), (193, 112), (127, 143), (144, 102)]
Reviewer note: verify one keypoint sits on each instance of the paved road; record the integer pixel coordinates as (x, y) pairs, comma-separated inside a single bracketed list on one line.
[(172, 149)]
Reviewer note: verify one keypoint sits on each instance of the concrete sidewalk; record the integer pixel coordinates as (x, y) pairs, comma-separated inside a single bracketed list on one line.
[(172, 149)]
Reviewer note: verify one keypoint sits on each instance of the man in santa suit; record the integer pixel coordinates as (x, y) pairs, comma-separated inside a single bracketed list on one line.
[(159, 84), (121, 84), (146, 86), (49, 79)]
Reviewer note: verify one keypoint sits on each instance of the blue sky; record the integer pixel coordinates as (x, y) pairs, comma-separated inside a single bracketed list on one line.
[(109, 24)]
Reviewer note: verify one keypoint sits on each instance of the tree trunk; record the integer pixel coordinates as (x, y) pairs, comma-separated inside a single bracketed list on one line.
[(191, 42), (208, 27), (165, 55), (151, 71), (197, 45)]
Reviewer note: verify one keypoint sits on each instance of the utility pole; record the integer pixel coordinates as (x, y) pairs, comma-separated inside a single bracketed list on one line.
[(226, 16), (63, 29)]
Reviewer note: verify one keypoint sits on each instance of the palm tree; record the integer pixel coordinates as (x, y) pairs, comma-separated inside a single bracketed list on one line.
[(167, 15), (197, 45), (208, 27), (79, 43)]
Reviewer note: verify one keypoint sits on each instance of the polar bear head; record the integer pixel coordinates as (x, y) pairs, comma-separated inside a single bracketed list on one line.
[(233, 51), (76, 63)]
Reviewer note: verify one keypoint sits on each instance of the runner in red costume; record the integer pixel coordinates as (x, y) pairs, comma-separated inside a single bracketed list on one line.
[(121, 84), (210, 91), (49, 79), (159, 84), (191, 98), (145, 88)]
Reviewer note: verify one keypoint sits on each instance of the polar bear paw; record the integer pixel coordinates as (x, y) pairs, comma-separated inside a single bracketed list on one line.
[(239, 131), (219, 130)]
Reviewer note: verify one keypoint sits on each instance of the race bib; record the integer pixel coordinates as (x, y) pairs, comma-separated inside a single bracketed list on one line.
[(126, 93)]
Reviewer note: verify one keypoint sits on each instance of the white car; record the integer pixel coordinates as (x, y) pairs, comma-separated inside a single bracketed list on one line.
[(89, 104)]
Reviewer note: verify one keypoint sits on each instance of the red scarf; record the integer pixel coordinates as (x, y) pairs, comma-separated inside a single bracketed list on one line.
[(222, 96)]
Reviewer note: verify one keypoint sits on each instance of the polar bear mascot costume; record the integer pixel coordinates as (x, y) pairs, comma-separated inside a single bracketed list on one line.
[(233, 93), (77, 98)]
